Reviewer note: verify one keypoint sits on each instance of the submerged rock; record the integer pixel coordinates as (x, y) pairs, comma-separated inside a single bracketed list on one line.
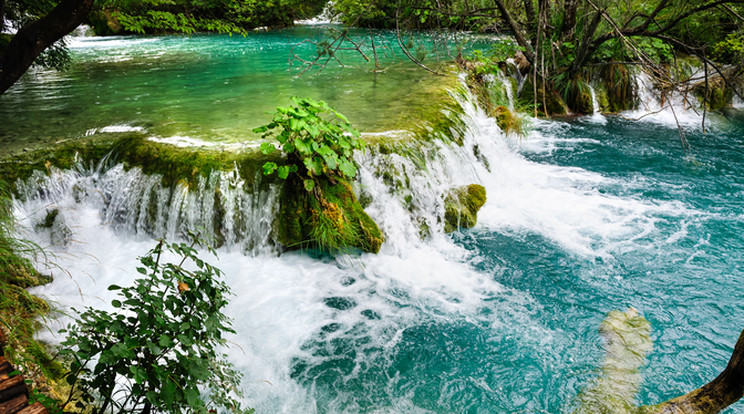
[(329, 217), (627, 341), (627, 338), (461, 207)]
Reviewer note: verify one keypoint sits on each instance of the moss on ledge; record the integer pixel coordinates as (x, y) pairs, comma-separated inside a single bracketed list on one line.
[(330, 217), (461, 207), (174, 164)]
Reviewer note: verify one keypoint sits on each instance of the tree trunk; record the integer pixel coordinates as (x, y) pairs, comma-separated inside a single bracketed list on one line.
[(36, 36), (516, 30), (531, 18), (586, 48), (569, 15), (713, 397)]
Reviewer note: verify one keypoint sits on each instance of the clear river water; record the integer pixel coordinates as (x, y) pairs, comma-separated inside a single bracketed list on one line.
[(583, 217)]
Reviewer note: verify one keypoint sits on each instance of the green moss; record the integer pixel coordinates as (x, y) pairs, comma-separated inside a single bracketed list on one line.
[(507, 121), (329, 217), (619, 85), (63, 155), (549, 97), (718, 95), (19, 310), (461, 207), (577, 95), (174, 164)]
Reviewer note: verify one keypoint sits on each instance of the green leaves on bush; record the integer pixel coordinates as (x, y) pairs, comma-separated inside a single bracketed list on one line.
[(157, 351), (318, 141)]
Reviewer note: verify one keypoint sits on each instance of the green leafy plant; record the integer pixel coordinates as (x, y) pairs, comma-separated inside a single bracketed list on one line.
[(157, 351), (318, 141)]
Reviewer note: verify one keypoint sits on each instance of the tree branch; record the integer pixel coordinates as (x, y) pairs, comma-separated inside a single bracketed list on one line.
[(516, 30), (36, 36)]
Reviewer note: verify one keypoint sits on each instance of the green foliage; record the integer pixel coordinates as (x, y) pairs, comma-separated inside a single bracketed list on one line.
[(191, 16), (19, 310), (160, 343), (498, 52), (415, 14), (56, 56), (730, 50), (318, 141)]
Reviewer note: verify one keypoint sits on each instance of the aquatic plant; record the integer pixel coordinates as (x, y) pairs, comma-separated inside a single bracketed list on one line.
[(160, 345)]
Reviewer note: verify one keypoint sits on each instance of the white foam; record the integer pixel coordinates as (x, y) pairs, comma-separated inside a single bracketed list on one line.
[(118, 128), (672, 109)]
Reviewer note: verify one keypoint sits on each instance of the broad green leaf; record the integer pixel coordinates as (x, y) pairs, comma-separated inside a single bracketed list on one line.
[(283, 172), (269, 168)]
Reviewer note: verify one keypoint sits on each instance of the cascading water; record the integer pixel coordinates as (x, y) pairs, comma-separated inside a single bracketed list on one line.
[(664, 107), (596, 111), (434, 323)]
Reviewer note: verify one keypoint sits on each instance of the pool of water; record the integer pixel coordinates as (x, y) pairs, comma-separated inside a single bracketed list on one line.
[(214, 88)]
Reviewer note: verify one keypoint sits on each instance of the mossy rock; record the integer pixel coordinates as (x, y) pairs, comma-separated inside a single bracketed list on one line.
[(105, 23), (461, 206), (627, 338), (174, 164), (329, 217), (718, 96), (507, 121), (553, 101), (618, 82)]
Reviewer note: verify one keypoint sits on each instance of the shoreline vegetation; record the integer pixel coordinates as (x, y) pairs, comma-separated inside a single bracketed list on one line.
[(566, 59)]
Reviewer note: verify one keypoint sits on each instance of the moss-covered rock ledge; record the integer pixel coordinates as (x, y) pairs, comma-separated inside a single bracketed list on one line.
[(329, 217)]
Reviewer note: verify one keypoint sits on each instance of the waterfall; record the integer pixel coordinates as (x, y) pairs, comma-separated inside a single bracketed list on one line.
[(508, 89), (516, 74), (596, 111), (327, 16), (664, 107), (135, 204), (306, 325)]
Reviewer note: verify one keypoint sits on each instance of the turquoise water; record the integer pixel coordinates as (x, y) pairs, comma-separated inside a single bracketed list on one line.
[(582, 217), (214, 88), (668, 242)]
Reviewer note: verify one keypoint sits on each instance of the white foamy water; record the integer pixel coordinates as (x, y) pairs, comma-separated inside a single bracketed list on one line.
[(289, 308), (596, 116), (327, 16), (114, 129), (669, 109)]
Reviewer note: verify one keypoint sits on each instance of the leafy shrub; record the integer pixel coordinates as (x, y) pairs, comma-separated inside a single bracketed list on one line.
[(730, 50), (318, 141), (488, 61), (157, 352)]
